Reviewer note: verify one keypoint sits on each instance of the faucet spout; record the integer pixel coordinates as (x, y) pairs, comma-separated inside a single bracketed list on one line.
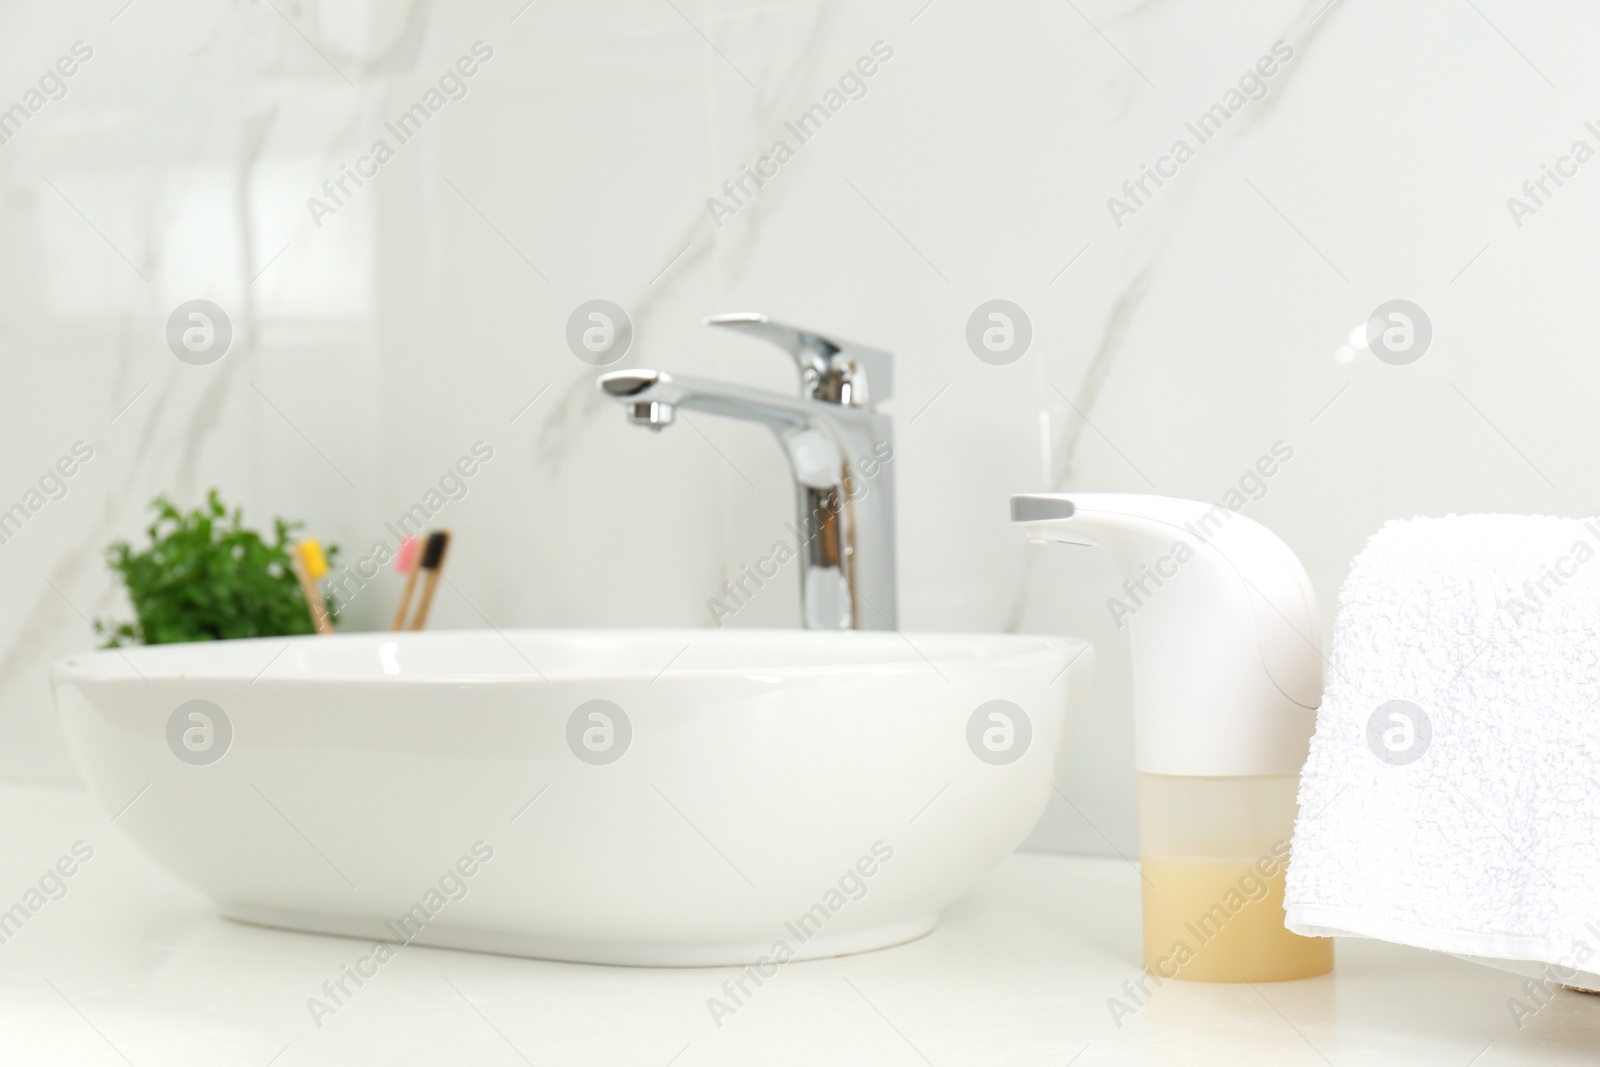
[(626, 385), (840, 455)]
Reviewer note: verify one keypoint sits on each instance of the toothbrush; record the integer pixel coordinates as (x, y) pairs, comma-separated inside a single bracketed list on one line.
[(433, 563), (310, 566), (405, 562)]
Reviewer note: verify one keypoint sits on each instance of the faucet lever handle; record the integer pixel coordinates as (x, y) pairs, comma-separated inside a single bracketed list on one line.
[(838, 372)]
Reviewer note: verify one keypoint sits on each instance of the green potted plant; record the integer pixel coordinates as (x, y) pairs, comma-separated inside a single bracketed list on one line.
[(206, 577)]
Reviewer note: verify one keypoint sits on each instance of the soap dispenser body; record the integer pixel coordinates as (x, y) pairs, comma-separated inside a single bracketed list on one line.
[(1227, 670)]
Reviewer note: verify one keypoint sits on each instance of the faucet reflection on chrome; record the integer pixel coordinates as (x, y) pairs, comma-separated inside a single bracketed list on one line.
[(737, 592)]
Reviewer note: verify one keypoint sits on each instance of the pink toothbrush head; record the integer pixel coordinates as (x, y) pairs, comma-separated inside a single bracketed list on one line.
[(406, 555)]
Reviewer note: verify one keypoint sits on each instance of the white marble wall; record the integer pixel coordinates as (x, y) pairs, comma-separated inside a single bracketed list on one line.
[(375, 344)]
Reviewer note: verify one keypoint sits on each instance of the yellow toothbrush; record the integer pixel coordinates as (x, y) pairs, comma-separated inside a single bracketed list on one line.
[(310, 566)]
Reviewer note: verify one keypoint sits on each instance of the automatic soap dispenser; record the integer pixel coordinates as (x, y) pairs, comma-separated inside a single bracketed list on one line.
[(1227, 676)]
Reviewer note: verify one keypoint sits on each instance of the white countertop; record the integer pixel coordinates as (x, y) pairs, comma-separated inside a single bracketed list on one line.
[(129, 966)]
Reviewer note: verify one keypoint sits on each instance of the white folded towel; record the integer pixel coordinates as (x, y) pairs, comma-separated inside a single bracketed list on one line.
[(1451, 799)]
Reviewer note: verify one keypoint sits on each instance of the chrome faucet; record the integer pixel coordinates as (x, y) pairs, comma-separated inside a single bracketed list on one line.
[(840, 451)]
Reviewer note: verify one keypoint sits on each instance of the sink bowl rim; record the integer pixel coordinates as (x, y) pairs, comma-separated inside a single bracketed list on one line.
[(873, 652)]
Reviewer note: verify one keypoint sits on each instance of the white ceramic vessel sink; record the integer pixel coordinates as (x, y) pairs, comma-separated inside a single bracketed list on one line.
[(731, 791)]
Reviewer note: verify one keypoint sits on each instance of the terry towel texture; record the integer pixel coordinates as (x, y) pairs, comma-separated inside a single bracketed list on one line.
[(1451, 799)]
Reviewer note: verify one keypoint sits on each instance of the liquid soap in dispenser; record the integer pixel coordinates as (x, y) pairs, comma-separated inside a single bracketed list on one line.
[(1227, 676)]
